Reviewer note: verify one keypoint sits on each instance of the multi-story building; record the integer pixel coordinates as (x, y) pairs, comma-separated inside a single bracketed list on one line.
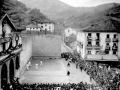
[(10, 48), (33, 27), (69, 31), (99, 41), (47, 26)]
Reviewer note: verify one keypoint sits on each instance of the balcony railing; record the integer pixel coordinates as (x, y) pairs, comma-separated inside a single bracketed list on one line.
[(6, 39), (115, 40), (93, 47), (108, 40), (89, 38), (3, 55), (93, 39), (115, 48), (107, 48), (17, 49)]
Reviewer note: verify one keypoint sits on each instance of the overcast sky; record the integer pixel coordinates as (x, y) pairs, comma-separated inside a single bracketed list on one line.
[(88, 3)]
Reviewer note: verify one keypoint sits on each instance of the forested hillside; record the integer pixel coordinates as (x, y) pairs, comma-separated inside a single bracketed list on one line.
[(20, 14)]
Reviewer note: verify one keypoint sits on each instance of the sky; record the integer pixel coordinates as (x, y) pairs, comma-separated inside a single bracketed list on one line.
[(88, 3)]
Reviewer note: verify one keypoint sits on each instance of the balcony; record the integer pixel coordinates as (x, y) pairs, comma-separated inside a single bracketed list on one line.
[(115, 48), (3, 55), (7, 38), (115, 40), (17, 49), (97, 40), (89, 38), (107, 48), (108, 40), (90, 47)]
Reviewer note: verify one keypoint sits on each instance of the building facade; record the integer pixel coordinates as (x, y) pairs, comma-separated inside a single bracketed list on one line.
[(47, 26), (33, 27), (69, 31), (99, 41), (10, 48)]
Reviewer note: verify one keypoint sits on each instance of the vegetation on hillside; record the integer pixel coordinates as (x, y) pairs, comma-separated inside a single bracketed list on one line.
[(20, 14)]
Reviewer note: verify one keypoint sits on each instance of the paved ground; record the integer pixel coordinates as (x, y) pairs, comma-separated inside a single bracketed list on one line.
[(53, 71)]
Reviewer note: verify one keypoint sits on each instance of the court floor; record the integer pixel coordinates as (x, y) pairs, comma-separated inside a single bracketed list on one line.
[(53, 71)]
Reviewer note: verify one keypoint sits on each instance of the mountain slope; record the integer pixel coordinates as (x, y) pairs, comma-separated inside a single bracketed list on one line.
[(76, 17), (49, 7), (20, 13)]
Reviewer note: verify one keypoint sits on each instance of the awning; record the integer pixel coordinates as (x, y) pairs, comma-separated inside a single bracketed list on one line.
[(102, 58)]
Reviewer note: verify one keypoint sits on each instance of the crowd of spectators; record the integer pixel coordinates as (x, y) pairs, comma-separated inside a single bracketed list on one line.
[(47, 86), (106, 77)]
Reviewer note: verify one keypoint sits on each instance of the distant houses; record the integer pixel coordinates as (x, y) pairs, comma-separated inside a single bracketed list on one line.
[(69, 31), (33, 27), (100, 41), (46, 27)]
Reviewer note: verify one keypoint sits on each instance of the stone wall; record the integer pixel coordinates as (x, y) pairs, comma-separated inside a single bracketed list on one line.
[(47, 45), (26, 54)]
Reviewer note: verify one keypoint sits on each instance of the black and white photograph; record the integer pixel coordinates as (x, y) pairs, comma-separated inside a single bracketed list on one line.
[(59, 44)]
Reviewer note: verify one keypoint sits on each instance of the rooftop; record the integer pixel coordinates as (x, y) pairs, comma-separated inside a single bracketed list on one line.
[(33, 26), (108, 25), (2, 14)]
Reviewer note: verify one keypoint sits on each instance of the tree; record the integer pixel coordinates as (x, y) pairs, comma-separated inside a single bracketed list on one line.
[(36, 16)]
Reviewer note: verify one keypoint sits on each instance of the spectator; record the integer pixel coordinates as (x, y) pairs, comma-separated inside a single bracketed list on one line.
[(68, 73)]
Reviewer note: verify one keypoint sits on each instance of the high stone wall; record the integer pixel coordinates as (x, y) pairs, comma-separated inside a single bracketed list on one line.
[(46, 45)]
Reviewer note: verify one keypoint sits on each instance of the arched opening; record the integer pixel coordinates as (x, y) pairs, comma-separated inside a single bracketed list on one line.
[(3, 75), (11, 71), (17, 63)]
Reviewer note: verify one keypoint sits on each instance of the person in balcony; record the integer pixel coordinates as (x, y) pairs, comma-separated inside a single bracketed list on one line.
[(89, 37), (107, 48), (114, 48)]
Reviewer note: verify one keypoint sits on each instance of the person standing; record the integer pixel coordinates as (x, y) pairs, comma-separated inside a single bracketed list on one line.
[(27, 66), (68, 73), (68, 64), (36, 66), (41, 63), (29, 63)]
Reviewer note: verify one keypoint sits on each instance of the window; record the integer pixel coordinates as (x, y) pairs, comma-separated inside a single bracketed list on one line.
[(107, 49), (98, 36), (107, 44), (108, 36), (115, 35), (97, 52), (97, 43), (89, 52), (89, 43), (89, 34)]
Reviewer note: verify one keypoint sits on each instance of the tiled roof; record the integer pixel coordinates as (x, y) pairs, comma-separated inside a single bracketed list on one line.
[(2, 14), (33, 26), (108, 25)]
